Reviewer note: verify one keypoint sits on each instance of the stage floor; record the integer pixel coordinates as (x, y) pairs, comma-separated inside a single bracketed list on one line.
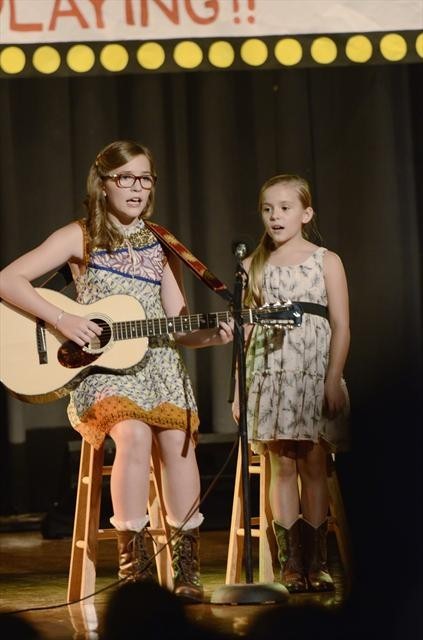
[(34, 573)]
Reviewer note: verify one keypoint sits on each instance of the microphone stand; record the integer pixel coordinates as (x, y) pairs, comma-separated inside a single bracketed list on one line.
[(248, 593)]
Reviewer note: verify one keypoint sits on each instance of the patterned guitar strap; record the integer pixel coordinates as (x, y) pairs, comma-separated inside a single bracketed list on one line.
[(193, 263)]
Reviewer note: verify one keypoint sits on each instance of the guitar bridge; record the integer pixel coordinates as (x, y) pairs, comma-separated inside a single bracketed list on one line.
[(40, 330)]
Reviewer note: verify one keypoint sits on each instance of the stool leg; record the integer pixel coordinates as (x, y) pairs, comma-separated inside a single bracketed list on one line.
[(267, 546), (82, 573), (338, 520), (236, 541), (158, 524)]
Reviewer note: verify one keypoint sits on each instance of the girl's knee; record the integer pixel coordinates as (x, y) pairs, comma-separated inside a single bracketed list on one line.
[(132, 434), (283, 466), (312, 469), (175, 441)]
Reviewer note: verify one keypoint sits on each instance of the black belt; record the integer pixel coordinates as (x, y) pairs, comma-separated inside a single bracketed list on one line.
[(313, 307)]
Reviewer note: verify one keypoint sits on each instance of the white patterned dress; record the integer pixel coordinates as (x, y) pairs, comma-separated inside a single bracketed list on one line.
[(286, 369), (157, 390)]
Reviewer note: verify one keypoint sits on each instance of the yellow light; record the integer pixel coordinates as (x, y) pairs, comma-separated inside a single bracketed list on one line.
[(114, 57), (12, 60), (80, 58), (46, 59), (151, 55), (288, 52), (393, 47), (187, 54), (221, 54), (254, 52), (323, 50), (419, 45), (359, 49)]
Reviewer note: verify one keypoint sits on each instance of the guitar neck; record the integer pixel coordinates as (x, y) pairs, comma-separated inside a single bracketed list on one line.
[(162, 326), (129, 329)]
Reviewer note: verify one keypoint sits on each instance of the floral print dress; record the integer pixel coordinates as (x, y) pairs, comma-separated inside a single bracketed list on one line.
[(286, 369), (157, 390)]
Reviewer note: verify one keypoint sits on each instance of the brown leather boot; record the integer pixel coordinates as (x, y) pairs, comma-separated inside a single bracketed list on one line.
[(290, 556), (135, 564), (185, 547), (315, 557)]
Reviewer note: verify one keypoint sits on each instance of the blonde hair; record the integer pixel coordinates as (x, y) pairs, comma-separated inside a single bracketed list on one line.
[(101, 232), (253, 293)]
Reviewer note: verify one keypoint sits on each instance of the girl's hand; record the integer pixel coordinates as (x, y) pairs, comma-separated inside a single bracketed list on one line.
[(78, 329), (335, 398), (224, 333), (235, 410)]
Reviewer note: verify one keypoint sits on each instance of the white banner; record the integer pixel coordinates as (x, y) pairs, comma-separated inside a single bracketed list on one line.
[(33, 21)]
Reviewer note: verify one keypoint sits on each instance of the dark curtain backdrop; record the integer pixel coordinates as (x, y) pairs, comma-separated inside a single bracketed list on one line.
[(356, 135)]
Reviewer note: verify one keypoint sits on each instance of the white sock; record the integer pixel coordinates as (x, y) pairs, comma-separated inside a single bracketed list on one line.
[(129, 525), (194, 522)]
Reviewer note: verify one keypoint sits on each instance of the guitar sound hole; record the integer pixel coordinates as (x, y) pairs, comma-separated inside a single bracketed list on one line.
[(71, 355), (101, 341)]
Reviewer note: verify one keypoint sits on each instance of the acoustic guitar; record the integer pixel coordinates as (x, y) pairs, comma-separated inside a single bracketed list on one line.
[(38, 364)]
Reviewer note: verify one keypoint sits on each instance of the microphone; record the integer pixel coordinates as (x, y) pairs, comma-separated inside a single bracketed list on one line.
[(239, 249)]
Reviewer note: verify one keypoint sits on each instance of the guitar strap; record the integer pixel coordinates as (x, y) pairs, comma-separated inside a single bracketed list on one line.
[(59, 280), (193, 263)]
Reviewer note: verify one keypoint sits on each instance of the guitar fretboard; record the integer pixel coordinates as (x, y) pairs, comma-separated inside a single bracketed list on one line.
[(161, 326)]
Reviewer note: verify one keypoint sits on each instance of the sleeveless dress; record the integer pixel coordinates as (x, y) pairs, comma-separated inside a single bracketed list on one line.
[(285, 369), (157, 390)]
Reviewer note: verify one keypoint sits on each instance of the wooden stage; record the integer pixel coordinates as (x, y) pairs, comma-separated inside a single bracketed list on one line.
[(34, 572)]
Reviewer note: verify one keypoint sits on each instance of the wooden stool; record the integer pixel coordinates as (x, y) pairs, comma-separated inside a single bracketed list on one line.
[(261, 526), (86, 532)]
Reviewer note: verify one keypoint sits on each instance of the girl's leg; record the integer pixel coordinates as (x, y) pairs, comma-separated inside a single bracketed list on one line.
[(285, 505), (181, 493), (180, 477), (129, 486), (312, 461), (283, 492), (130, 479)]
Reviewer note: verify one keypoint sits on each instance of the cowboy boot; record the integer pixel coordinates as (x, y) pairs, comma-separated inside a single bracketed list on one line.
[(315, 557), (135, 564), (185, 547), (290, 556)]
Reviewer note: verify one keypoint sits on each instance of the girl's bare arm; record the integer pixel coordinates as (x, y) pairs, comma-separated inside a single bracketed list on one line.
[(337, 293), (65, 244)]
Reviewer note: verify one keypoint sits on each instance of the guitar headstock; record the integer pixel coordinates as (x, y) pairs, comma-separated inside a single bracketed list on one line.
[(286, 315)]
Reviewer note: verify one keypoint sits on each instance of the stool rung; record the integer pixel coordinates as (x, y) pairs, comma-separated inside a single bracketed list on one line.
[(110, 534), (254, 470), (255, 533), (107, 471), (106, 534), (156, 532)]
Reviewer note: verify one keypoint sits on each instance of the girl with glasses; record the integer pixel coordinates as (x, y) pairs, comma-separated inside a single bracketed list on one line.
[(112, 251)]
